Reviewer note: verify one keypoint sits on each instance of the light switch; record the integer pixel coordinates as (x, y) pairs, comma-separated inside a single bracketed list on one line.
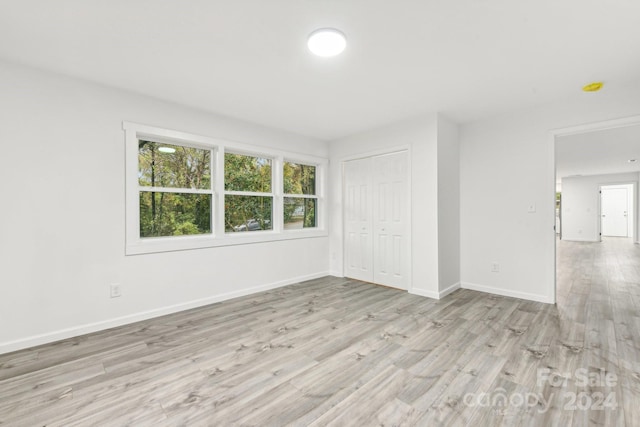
[(531, 208)]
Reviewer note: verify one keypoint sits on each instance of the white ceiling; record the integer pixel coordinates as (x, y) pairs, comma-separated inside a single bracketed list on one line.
[(598, 153), (247, 58)]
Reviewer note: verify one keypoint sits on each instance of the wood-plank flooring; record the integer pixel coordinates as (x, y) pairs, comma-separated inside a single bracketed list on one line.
[(340, 352)]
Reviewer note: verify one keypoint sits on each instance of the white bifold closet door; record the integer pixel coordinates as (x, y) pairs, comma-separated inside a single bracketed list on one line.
[(376, 217)]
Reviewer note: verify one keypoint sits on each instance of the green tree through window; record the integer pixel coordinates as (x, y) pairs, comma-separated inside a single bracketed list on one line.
[(164, 170), (299, 180), (248, 200)]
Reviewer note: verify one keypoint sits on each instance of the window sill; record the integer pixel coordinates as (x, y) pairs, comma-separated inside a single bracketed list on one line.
[(183, 243)]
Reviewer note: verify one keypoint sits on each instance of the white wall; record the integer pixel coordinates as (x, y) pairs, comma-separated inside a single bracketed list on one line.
[(448, 206), (581, 205), (62, 221), (421, 136), (507, 163)]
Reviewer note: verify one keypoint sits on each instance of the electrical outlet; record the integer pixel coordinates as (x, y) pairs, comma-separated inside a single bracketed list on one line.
[(495, 267), (115, 290)]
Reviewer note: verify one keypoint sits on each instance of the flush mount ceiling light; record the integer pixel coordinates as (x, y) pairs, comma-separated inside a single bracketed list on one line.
[(168, 150), (326, 42), (593, 87)]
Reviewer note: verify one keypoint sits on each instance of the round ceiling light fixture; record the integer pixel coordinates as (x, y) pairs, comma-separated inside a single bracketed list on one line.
[(327, 42), (593, 87)]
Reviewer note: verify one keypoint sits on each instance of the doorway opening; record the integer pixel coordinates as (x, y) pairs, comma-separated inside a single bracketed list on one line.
[(596, 176)]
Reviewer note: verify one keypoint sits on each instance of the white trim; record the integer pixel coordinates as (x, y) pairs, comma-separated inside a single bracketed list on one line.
[(176, 190), (596, 126), (236, 147), (424, 293), (435, 295), (277, 183), (507, 293), (247, 193), (217, 219), (299, 196), (449, 290), (410, 210), (375, 153), (35, 340), (581, 240), (599, 227), (181, 243), (551, 256)]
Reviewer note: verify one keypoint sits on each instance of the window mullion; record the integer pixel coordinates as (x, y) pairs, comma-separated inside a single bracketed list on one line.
[(212, 188), (247, 193), (219, 186), (277, 183), (173, 190), (300, 196)]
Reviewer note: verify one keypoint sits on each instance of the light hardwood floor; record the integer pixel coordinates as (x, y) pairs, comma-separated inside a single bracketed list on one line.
[(341, 352)]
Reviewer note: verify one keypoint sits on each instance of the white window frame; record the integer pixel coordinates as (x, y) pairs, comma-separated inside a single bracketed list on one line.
[(301, 196), (272, 194), (180, 190), (218, 237)]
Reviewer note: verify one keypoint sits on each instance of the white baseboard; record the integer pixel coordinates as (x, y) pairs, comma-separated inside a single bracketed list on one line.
[(424, 293), (450, 289), (506, 292), (434, 294), (32, 341)]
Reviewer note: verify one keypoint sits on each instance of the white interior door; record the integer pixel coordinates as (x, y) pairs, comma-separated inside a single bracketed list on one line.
[(614, 206), (358, 220), (390, 220)]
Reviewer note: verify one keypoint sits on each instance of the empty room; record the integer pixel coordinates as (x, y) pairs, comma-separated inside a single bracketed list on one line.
[(319, 212)]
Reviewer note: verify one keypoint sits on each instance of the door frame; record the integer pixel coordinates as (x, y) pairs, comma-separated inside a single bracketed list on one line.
[(369, 154), (551, 184)]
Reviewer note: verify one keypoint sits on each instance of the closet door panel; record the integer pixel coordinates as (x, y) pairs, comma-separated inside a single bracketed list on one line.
[(358, 219), (390, 220)]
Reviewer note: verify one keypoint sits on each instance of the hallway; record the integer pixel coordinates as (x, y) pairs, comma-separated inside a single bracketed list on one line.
[(598, 294)]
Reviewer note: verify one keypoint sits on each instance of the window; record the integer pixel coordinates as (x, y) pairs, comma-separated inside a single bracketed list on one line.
[(187, 191), (175, 189), (248, 199), (300, 203)]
